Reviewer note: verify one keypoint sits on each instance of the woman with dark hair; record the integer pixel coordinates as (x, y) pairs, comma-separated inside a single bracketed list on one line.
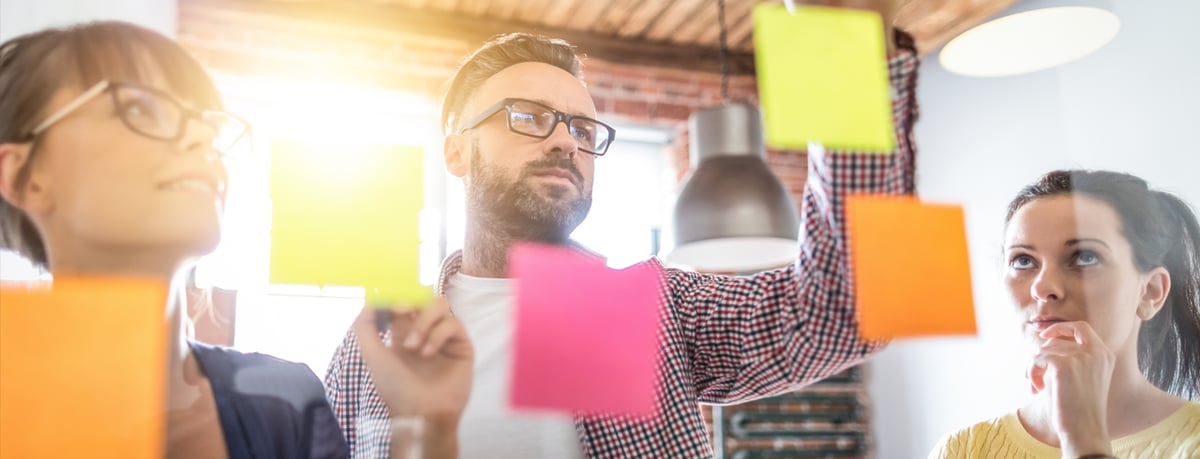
[(112, 148), (1104, 273)]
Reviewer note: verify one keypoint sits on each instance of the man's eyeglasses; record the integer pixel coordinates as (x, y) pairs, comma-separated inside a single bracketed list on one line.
[(157, 115), (534, 119)]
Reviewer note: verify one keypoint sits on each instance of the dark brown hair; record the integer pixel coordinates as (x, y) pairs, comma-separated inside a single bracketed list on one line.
[(499, 53), (1162, 230), (35, 66)]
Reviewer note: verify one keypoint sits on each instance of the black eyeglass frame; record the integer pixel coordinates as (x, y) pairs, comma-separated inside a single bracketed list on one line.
[(506, 105), (186, 113)]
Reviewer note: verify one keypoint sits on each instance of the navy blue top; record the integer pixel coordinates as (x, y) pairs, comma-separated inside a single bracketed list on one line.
[(270, 408)]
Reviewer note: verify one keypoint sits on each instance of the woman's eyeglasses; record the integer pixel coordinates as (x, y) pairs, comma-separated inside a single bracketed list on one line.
[(157, 115)]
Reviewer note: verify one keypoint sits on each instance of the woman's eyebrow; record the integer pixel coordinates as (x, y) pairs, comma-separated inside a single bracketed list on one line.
[(1087, 239)]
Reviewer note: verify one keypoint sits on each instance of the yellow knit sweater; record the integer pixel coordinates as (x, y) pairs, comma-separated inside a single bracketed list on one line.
[(1176, 437)]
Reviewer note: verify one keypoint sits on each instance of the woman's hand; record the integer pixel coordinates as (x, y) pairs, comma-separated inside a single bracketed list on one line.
[(423, 375), (1075, 369)]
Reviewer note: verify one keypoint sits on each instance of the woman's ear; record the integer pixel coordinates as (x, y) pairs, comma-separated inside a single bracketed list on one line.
[(12, 158), (455, 149), (1154, 293), (32, 196)]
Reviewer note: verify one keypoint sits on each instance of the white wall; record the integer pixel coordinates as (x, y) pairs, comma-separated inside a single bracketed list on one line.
[(22, 16), (1134, 106)]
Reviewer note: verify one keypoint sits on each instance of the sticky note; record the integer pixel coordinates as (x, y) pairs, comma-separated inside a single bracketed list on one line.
[(584, 335), (912, 274), (348, 215), (823, 77), (83, 369)]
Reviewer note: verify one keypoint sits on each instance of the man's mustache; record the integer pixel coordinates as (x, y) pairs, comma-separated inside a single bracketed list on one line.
[(552, 163)]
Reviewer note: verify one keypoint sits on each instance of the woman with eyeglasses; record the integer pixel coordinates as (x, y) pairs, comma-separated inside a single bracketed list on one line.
[(112, 149), (1104, 274)]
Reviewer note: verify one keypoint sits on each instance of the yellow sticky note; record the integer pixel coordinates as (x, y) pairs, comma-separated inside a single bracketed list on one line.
[(347, 215), (823, 77), (83, 369), (912, 275)]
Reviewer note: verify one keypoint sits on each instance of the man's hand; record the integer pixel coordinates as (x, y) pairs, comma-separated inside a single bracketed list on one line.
[(424, 374)]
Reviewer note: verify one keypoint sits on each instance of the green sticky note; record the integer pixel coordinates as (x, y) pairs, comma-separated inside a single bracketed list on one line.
[(823, 77), (347, 215)]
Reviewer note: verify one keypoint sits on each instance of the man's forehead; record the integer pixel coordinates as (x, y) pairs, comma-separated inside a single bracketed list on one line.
[(538, 82)]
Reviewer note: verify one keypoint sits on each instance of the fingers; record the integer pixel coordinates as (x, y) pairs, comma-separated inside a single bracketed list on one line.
[(1037, 381), (422, 331), (1059, 331), (1047, 360), (425, 320), (368, 340), (1056, 352), (1079, 331), (1059, 347), (1053, 354), (445, 331), (401, 322), (411, 329)]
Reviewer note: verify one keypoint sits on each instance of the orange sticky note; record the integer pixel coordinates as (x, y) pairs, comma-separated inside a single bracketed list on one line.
[(82, 369), (912, 275)]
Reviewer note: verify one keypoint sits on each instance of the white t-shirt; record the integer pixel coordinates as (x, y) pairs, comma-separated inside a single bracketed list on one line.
[(489, 428)]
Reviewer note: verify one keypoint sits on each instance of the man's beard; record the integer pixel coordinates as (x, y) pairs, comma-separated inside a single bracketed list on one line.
[(519, 209)]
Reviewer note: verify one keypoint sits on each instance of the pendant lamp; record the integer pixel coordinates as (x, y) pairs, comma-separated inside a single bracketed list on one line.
[(733, 214), (1033, 35)]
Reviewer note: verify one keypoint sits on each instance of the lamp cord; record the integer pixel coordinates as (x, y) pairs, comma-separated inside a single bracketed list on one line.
[(724, 52)]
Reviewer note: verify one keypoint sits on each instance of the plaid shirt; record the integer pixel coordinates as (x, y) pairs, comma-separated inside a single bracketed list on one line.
[(723, 339)]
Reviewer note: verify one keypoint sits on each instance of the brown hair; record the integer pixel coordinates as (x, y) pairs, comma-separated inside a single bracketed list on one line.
[(35, 66), (499, 53), (1163, 231)]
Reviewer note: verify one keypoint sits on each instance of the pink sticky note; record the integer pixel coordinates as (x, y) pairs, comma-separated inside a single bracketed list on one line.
[(585, 335)]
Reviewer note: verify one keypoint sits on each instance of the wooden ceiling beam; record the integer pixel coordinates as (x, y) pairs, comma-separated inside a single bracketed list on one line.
[(672, 19), (976, 13), (394, 18)]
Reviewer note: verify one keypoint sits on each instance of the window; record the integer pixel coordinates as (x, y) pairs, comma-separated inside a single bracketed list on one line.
[(302, 323), (631, 199)]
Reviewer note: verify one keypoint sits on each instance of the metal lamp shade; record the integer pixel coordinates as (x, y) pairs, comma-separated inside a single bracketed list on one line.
[(733, 214), (1032, 35)]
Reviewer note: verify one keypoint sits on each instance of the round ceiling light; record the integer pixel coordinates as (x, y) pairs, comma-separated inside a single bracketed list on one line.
[(1034, 39)]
